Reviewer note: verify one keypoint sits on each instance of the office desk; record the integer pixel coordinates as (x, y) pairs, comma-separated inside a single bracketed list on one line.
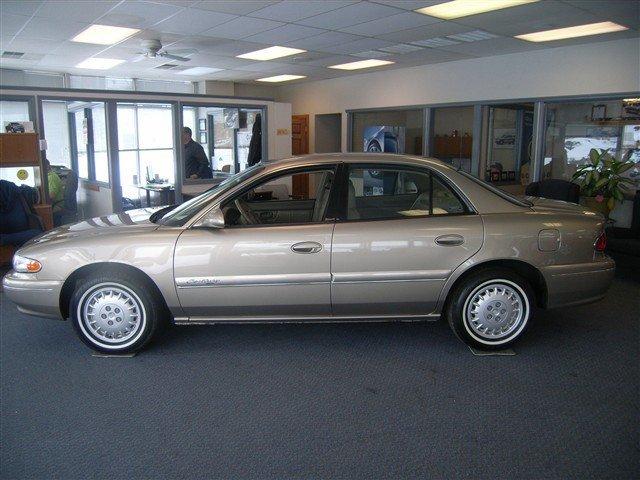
[(164, 189)]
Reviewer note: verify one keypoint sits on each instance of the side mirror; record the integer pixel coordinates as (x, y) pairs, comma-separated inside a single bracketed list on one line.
[(213, 219)]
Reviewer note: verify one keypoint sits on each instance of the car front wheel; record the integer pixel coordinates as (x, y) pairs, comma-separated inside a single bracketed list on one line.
[(490, 309), (114, 315)]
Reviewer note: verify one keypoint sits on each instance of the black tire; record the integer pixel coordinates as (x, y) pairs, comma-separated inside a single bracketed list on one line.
[(471, 304), (144, 314)]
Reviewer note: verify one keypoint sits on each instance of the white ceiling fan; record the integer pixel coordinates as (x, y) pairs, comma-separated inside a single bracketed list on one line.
[(153, 49)]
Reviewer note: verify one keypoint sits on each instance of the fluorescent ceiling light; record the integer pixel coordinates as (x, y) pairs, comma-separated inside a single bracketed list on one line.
[(104, 34), (271, 53), (572, 32), (199, 70), (362, 64), (464, 8), (99, 63), (281, 78)]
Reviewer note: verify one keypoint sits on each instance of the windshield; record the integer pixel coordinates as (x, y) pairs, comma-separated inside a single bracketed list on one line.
[(182, 213)]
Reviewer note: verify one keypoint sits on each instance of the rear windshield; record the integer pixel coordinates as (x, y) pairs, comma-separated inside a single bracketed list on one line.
[(521, 202)]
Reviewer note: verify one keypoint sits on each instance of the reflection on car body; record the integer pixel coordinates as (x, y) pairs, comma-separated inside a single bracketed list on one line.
[(335, 237)]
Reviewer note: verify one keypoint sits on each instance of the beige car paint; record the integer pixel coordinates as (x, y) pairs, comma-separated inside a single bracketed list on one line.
[(250, 274)]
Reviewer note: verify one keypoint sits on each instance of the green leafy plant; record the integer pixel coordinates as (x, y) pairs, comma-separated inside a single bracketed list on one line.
[(602, 177)]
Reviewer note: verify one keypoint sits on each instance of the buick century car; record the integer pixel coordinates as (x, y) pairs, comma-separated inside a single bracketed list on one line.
[(308, 239)]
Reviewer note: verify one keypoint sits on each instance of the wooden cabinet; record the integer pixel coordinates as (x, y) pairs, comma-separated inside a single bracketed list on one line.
[(19, 150), (23, 150), (446, 146)]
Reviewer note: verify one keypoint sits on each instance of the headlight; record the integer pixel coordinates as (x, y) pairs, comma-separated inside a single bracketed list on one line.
[(26, 265)]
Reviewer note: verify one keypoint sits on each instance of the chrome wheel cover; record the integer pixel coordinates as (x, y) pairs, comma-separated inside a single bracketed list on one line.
[(111, 315), (496, 311)]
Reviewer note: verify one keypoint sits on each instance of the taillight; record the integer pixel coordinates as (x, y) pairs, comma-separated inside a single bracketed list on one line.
[(601, 243)]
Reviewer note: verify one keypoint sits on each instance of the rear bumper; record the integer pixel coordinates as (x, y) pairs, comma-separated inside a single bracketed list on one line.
[(577, 284), (32, 296)]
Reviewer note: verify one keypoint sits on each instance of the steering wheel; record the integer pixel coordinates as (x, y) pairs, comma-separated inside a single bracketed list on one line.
[(246, 212)]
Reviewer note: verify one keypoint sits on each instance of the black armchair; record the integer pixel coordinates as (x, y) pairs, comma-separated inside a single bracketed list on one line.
[(554, 189)]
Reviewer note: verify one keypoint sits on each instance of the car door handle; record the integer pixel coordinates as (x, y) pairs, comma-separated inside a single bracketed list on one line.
[(449, 240), (306, 247)]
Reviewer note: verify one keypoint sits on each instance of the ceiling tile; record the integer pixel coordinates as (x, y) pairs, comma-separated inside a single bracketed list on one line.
[(19, 7), (350, 15), (75, 10), (138, 14), (371, 54), (193, 21), (242, 27), (12, 24), (538, 24), (401, 48), (266, 67), (294, 10), (408, 4), (361, 45), (326, 40), (329, 60), (430, 55), (235, 7), (494, 46), (77, 50), (231, 49), (286, 33), (177, 3), (428, 31), (29, 45), (394, 23), (48, 30), (625, 12), (217, 61), (537, 12)]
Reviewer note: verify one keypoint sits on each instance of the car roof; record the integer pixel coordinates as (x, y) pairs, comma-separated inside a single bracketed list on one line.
[(382, 158)]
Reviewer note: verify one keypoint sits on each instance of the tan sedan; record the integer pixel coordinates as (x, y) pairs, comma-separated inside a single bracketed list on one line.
[(323, 238)]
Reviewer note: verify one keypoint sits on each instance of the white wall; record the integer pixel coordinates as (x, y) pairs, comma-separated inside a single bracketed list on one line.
[(279, 125), (596, 68)]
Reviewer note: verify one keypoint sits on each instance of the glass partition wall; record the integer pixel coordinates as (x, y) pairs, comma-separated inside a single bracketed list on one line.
[(388, 131), (231, 137), (452, 136), (507, 146), (145, 149), (574, 128)]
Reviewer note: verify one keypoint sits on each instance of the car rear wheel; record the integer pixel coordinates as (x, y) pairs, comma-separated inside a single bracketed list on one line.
[(114, 315), (490, 309)]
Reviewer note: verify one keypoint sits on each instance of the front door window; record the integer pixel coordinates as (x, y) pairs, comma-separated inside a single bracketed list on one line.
[(294, 198)]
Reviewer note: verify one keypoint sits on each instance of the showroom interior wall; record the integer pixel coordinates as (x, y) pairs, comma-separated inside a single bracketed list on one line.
[(593, 69), (97, 197)]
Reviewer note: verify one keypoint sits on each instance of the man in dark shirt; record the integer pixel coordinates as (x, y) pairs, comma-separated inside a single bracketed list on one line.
[(196, 164)]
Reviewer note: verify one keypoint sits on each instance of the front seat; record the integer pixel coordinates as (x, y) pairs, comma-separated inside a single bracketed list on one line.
[(352, 211), (422, 202), (323, 196)]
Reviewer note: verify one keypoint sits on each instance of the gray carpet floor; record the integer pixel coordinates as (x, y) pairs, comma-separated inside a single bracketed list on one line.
[(327, 401)]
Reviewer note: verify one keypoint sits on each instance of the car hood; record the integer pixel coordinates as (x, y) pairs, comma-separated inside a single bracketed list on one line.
[(548, 205), (126, 223)]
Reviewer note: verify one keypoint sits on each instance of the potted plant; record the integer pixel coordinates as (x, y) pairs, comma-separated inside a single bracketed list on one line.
[(601, 181)]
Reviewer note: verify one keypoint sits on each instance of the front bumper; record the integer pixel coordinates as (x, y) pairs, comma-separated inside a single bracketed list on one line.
[(32, 296), (580, 283)]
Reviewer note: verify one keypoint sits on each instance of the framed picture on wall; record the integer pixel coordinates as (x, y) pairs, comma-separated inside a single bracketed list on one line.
[(202, 137), (504, 138), (202, 124), (598, 112)]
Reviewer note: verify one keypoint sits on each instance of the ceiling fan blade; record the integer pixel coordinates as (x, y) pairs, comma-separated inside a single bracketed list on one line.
[(175, 57)]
